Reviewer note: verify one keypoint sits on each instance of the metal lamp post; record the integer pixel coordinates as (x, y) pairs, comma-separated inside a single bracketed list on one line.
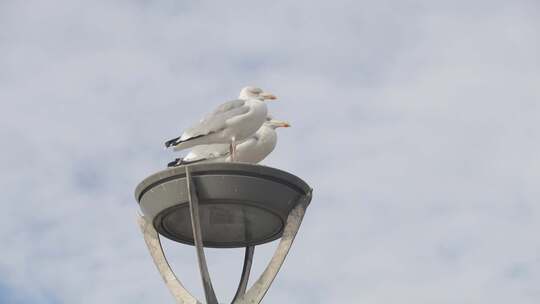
[(222, 205)]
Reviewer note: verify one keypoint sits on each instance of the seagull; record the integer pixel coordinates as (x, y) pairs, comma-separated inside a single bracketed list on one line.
[(232, 121), (252, 150)]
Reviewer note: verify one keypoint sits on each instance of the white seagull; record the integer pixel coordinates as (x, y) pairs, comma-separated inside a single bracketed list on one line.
[(252, 150), (232, 121)]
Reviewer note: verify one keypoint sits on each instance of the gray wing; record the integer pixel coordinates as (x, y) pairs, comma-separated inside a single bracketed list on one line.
[(229, 105), (217, 120), (207, 151)]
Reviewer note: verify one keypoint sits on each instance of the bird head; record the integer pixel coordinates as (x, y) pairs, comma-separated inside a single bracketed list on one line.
[(256, 93), (275, 123)]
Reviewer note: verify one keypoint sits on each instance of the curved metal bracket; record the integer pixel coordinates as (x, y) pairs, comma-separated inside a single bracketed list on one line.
[(151, 238), (248, 261), (255, 294)]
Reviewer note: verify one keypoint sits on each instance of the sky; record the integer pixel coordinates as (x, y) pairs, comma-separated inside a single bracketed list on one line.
[(416, 123)]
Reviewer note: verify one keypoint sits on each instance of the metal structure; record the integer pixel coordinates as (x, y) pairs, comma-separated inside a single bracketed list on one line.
[(222, 205)]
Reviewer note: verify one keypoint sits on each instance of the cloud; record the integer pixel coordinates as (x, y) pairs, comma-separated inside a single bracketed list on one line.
[(420, 120)]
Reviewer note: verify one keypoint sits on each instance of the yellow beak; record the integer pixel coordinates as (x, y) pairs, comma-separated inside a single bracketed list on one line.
[(267, 96), (281, 123)]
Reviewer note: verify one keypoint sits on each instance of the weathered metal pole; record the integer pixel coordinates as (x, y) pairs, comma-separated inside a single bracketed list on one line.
[(197, 237)]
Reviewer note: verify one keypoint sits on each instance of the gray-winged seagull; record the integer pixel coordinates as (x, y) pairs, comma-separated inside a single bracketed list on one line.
[(231, 122), (252, 150)]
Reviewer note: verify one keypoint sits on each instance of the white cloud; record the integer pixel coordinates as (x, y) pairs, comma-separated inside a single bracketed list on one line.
[(421, 120)]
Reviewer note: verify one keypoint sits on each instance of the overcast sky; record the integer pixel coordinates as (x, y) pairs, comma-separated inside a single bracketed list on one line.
[(416, 122)]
